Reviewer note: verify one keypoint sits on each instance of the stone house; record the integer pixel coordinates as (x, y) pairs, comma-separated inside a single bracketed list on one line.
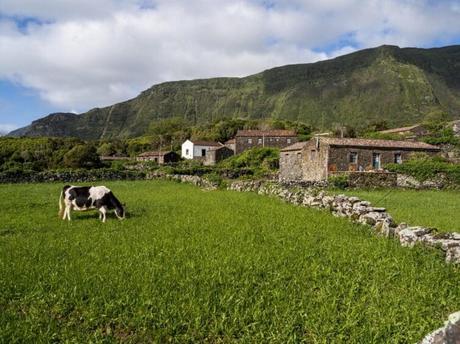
[(160, 157), (321, 157), (247, 139), (216, 154), (197, 149)]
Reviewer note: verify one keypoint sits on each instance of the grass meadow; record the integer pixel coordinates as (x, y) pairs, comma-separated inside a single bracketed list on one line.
[(432, 208), (189, 265)]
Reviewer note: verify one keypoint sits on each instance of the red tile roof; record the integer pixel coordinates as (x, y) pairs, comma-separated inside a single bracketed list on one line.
[(154, 153), (206, 143), (274, 133), (377, 143)]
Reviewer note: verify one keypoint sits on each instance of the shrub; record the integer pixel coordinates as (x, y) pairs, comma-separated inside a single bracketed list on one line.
[(82, 156), (339, 181), (423, 167)]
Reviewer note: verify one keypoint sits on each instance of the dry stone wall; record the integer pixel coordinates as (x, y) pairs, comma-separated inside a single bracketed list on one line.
[(448, 334)]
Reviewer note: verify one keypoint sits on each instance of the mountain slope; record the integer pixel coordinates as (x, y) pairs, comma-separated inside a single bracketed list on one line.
[(388, 83)]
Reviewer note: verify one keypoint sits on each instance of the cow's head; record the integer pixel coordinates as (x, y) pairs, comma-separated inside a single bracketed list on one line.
[(120, 212)]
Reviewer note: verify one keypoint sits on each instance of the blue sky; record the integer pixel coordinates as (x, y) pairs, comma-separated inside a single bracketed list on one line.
[(70, 56)]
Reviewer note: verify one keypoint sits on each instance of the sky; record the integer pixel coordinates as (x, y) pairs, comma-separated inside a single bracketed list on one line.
[(74, 55)]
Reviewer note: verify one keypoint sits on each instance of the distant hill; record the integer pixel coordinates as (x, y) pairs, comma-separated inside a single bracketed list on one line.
[(400, 86)]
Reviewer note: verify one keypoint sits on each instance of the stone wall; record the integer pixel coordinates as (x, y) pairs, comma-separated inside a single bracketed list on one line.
[(448, 334), (370, 179), (77, 176), (291, 165)]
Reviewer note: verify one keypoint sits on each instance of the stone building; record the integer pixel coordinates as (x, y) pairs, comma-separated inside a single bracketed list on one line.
[(230, 144), (321, 157), (160, 157), (216, 154), (197, 149), (247, 139)]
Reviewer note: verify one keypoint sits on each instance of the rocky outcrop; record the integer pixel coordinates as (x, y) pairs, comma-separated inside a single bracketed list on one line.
[(448, 334)]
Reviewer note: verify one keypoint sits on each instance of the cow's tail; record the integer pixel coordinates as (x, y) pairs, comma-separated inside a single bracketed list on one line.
[(61, 205)]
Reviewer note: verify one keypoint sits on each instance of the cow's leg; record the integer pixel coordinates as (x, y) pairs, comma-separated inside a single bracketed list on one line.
[(68, 208), (66, 212), (103, 212)]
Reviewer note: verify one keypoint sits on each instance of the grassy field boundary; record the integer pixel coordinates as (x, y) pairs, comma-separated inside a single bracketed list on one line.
[(360, 211)]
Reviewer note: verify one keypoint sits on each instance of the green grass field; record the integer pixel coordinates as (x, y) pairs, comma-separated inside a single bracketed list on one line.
[(220, 266), (433, 208)]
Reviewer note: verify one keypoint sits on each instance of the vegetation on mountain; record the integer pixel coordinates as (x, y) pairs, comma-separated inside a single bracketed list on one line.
[(397, 86)]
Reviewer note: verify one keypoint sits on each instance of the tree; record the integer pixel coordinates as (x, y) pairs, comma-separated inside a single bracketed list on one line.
[(82, 156), (106, 149)]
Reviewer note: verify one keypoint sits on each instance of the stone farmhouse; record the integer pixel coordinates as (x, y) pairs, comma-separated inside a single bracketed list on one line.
[(247, 139), (160, 157), (321, 157), (197, 149), (216, 154)]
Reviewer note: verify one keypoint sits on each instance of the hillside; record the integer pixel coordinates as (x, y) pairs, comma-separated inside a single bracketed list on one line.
[(398, 85)]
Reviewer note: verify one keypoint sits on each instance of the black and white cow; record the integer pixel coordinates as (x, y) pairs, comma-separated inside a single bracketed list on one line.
[(89, 197)]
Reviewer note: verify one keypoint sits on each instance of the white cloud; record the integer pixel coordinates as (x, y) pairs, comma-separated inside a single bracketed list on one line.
[(95, 55), (6, 128)]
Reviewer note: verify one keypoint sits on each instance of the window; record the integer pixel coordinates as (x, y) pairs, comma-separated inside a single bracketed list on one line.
[(259, 141), (398, 158), (353, 158), (250, 141), (277, 139), (312, 154), (186, 151), (288, 140), (203, 152), (376, 161), (299, 156)]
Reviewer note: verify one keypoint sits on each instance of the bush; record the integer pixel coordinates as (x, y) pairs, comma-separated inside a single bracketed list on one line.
[(216, 179), (82, 156), (423, 167), (339, 181)]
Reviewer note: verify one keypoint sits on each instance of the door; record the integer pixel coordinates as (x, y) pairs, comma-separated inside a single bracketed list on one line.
[(376, 161)]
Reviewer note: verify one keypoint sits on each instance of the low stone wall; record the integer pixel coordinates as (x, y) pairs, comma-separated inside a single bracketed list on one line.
[(409, 182), (77, 176), (448, 334), (195, 180), (369, 179)]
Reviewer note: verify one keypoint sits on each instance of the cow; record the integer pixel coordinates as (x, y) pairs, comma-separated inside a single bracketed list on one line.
[(89, 197)]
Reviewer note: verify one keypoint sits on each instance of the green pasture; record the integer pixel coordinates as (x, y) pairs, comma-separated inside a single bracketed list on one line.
[(432, 208), (193, 266)]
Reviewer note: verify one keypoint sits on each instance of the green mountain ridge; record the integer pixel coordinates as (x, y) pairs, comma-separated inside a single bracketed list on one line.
[(398, 85)]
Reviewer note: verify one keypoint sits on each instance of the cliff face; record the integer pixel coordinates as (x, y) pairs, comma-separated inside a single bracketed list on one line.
[(400, 86)]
